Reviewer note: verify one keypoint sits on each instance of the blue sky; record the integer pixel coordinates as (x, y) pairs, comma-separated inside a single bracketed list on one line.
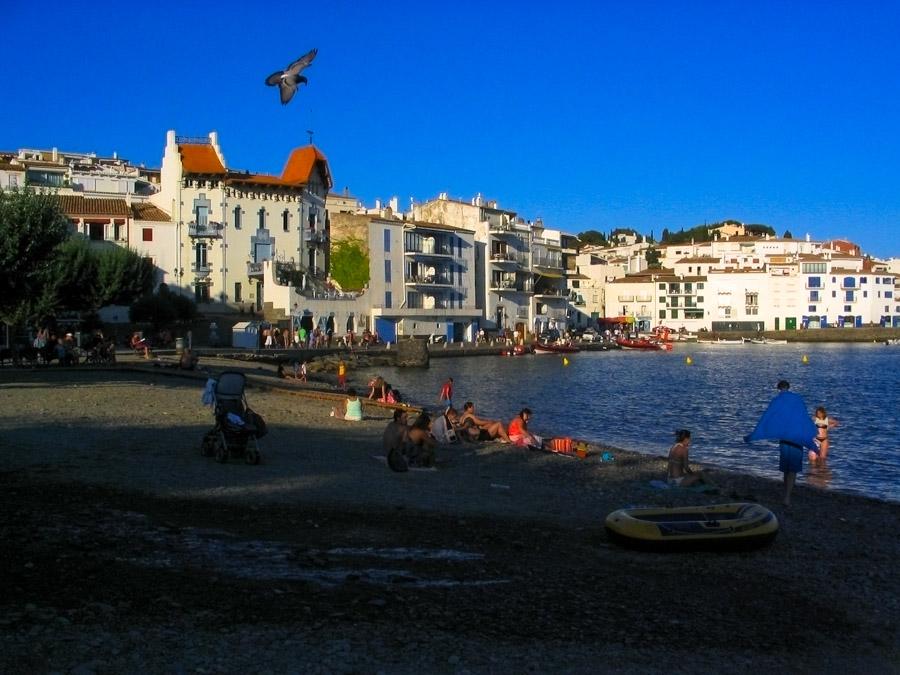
[(647, 115)]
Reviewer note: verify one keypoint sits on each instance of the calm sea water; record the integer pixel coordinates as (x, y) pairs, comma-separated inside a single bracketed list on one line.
[(635, 400)]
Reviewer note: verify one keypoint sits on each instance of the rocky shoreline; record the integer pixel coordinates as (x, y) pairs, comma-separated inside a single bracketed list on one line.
[(126, 551)]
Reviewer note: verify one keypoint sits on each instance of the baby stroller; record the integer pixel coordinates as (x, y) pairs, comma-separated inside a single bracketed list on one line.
[(237, 427)]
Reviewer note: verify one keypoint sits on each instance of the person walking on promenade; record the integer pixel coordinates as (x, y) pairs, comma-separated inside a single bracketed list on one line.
[(787, 421), (446, 395)]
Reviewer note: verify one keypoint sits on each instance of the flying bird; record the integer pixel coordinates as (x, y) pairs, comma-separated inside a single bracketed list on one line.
[(290, 78)]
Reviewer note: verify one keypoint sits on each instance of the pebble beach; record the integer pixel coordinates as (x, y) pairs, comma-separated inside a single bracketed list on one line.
[(127, 551)]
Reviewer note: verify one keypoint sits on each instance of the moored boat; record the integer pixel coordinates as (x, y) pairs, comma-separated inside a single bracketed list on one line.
[(720, 526), (643, 343), (554, 348)]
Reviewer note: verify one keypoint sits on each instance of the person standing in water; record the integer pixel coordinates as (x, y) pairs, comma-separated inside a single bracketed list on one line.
[(823, 423)]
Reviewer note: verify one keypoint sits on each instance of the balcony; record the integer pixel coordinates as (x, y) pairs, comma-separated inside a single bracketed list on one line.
[(430, 280), (314, 238), (200, 268), (551, 262), (507, 259), (255, 269), (210, 230), (503, 286), (431, 252)]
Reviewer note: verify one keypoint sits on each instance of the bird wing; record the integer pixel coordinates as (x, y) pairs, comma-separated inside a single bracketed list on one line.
[(274, 78), (302, 62)]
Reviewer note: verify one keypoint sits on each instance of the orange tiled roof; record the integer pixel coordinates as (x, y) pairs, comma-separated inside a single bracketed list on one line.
[(144, 211), (301, 164), (197, 158), (77, 206)]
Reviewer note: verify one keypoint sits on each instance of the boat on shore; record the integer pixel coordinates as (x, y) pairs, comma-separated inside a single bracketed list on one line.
[(720, 526), (554, 348), (766, 341)]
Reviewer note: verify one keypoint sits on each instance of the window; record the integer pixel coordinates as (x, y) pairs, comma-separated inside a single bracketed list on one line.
[(387, 241), (201, 292), (387, 300), (262, 218), (662, 314), (814, 282), (200, 262), (888, 294), (201, 216), (849, 296), (13, 180), (814, 268), (847, 308), (811, 308), (147, 234), (285, 220), (700, 286), (814, 296), (864, 280), (387, 271), (237, 217)]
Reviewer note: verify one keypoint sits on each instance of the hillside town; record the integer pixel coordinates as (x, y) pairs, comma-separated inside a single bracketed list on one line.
[(247, 245)]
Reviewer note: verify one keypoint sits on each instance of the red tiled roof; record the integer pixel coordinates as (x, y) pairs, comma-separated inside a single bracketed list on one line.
[(77, 206), (144, 211), (257, 179), (197, 158), (302, 162)]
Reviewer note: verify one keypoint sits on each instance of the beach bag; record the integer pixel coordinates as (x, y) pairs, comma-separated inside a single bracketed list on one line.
[(562, 445), (256, 422)]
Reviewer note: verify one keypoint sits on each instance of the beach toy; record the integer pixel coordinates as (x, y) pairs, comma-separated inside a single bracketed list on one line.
[(688, 360), (805, 359), (565, 361)]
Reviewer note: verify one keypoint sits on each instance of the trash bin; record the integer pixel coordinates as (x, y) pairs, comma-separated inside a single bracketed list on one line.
[(179, 345)]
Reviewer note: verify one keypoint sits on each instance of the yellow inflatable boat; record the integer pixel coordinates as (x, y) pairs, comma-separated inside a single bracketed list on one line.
[(720, 526)]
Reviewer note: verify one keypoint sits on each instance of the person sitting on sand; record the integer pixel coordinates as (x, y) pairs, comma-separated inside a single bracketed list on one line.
[(680, 473), (490, 429), (518, 431), (350, 409), (420, 451), (395, 441), (469, 433), (188, 360)]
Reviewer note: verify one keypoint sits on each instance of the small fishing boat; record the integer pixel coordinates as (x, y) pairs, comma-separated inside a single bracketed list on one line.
[(554, 348), (721, 526), (643, 343)]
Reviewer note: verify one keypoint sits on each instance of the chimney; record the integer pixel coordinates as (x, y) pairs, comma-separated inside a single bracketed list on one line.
[(55, 155)]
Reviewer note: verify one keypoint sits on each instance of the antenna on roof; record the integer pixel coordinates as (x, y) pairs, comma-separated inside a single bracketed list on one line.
[(310, 132)]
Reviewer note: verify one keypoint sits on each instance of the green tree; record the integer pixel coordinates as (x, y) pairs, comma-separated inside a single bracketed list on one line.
[(787, 235), (123, 276), (592, 238), (652, 257), (350, 264), (72, 282), (32, 227), (162, 309)]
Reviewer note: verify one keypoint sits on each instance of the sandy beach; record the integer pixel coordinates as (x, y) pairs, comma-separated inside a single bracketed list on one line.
[(125, 550)]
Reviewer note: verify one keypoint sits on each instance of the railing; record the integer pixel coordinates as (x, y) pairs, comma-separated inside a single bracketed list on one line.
[(314, 238), (442, 251), (209, 230), (511, 286), (429, 280), (507, 257), (255, 268), (547, 261)]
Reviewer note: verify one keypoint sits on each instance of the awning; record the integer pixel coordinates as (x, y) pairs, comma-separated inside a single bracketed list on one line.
[(549, 275)]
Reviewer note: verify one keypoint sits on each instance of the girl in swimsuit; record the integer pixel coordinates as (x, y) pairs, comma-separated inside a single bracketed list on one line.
[(823, 423), (680, 473)]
